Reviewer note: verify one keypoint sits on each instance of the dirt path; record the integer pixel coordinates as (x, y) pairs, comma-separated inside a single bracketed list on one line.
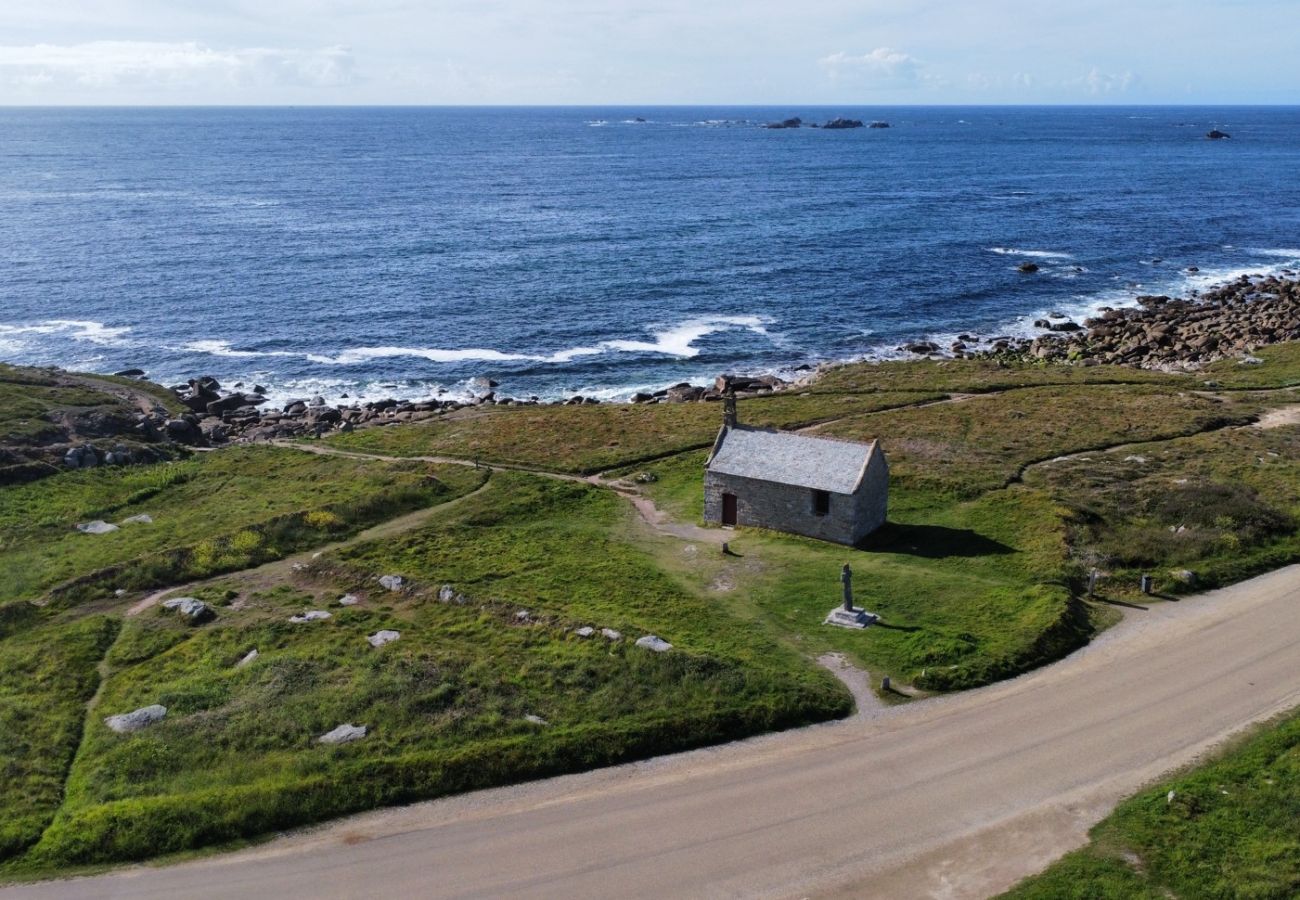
[(1280, 417), (143, 400), (954, 797), (283, 567), (653, 516)]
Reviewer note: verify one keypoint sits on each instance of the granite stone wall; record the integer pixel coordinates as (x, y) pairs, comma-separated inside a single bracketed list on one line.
[(783, 507)]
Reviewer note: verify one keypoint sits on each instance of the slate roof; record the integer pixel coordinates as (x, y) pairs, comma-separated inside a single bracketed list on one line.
[(818, 463)]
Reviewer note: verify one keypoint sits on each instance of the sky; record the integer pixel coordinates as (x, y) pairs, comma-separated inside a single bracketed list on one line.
[(629, 52)]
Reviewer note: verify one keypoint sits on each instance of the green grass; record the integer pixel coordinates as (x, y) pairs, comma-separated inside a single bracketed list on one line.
[(983, 443), (585, 439), (446, 704), (1229, 833), (1281, 368), (1223, 505), (969, 590), (979, 376), (28, 397), (977, 576), (47, 673), (215, 512)]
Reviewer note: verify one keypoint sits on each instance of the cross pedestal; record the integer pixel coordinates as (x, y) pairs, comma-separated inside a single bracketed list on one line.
[(846, 615)]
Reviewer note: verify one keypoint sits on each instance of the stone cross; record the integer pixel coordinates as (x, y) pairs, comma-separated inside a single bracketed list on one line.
[(846, 576)]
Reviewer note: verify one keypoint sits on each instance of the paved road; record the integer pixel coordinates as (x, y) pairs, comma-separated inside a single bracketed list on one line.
[(957, 797)]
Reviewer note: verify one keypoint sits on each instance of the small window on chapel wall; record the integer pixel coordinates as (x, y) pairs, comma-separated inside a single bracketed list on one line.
[(821, 503)]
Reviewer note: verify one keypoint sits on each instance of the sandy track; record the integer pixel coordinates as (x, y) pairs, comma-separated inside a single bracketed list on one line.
[(953, 797)]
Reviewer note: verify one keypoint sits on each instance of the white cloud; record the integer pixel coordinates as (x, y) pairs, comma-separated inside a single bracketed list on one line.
[(1098, 82), (882, 65), (98, 65)]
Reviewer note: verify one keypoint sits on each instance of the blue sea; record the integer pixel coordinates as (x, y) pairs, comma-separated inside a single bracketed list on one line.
[(402, 251)]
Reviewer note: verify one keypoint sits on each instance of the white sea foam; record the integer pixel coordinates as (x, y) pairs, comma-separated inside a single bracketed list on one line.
[(676, 340), (75, 329), (679, 340), (1290, 253), (223, 348), (1031, 254)]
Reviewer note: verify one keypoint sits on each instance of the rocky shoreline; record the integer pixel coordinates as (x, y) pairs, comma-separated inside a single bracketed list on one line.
[(1160, 332)]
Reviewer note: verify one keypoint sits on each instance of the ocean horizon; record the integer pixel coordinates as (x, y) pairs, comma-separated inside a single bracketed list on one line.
[(402, 251)]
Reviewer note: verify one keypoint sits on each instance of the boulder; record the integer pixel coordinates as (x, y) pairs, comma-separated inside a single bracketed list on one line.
[(343, 734), (611, 635), (96, 527), (391, 582), (1027, 268), (1215, 134), (125, 723), (585, 631), (535, 720), (844, 123), (193, 611), (654, 642), (141, 519), (248, 658), (379, 638), (84, 456), (315, 615), (129, 373), (349, 600), (879, 124), (785, 123)]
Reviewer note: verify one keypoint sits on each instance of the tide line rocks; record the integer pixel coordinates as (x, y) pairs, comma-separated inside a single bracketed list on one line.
[(1163, 332), (220, 418)]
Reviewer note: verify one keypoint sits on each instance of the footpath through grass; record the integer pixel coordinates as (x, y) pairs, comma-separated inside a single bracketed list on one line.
[(1226, 830), (47, 673)]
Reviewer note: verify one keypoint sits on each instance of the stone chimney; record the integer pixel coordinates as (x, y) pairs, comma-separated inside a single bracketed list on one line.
[(729, 419)]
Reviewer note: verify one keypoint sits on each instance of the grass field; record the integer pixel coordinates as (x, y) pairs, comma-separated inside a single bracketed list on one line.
[(1222, 506), (983, 443), (47, 673), (977, 576), (975, 376), (1223, 830), (585, 439), (211, 513), (447, 705)]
